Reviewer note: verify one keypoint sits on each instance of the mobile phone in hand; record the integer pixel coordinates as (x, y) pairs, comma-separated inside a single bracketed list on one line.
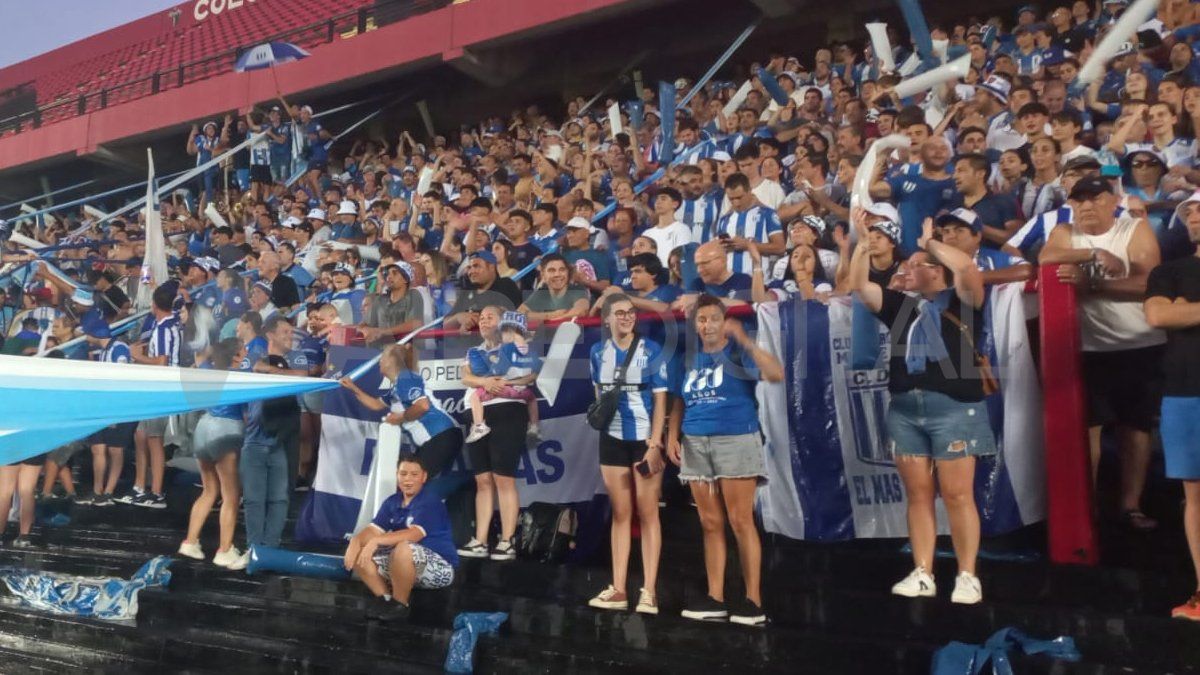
[(643, 467)]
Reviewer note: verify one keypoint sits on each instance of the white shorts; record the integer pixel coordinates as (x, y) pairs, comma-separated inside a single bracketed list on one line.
[(433, 571)]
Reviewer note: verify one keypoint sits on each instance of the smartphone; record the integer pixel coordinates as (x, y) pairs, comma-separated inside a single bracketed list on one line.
[(643, 467)]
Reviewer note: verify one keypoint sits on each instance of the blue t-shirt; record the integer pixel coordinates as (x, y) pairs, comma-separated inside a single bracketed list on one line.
[(425, 511), (408, 389), (918, 198), (718, 393), (256, 349), (544, 241), (516, 361), (310, 349), (344, 231), (737, 287)]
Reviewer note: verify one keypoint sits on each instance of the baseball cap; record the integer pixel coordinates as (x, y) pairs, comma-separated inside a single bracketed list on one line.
[(94, 325), (1053, 56), (1090, 186), (883, 210), (343, 268), (961, 216), (317, 214), (996, 86), (1083, 163), (485, 256), (514, 320), (264, 286), (82, 297), (1026, 8), (579, 222), (1125, 49), (888, 229), (404, 268), (815, 222)]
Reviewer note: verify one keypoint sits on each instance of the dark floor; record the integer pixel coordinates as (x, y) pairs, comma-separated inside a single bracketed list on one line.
[(829, 605)]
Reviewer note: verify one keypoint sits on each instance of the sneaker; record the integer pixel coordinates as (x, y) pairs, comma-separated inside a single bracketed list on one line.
[(241, 563), (478, 431), (22, 541), (609, 598), (967, 589), (80, 500), (533, 435), (747, 613), (229, 558), (646, 603), (104, 499), (150, 500), (474, 549), (918, 584), (131, 496), (303, 484), (387, 611), (706, 609), (192, 550), (1189, 610), (504, 550)]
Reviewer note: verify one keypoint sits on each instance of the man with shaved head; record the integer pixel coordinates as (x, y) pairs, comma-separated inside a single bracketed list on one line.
[(715, 278)]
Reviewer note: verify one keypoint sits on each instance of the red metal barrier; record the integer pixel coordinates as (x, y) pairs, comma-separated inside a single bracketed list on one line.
[(1070, 516)]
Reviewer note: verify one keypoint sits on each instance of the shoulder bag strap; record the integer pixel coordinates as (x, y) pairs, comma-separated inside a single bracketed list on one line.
[(619, 376)]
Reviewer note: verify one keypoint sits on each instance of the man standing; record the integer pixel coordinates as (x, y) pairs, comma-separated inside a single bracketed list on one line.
[(997, 213), (748, 220), (1173, 305), (700, 209), (407, 545), (1108, 259), (284, 293), (918, 195), (398, 311), (162, 350), (715, 278), (668, 233)]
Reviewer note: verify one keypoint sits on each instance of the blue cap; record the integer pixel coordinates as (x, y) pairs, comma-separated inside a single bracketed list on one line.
[(1053, 56), (234, 302), (514, 320), (94, 325), (961, 216), (485, 256), (1028, 8), (262, 285)]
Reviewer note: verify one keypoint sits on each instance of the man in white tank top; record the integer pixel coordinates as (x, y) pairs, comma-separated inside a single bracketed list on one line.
[(1108, 258)]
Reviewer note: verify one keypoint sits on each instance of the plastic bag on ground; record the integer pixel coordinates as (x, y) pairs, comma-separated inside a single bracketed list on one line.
[(97, 597), (960, 658), (468, 626)]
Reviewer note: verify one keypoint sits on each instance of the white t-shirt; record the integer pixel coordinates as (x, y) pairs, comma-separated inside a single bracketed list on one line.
[(669, 238)]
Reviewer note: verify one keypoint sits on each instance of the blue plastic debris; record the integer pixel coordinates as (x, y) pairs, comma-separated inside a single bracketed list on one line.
[(960, 658), (468, 626), (98, 597)]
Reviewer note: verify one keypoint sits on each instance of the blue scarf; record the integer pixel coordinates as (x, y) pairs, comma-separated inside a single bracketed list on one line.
[(925, 336)]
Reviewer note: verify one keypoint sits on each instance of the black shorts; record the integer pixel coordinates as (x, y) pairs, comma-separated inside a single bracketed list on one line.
[(616, 452), (36, 460), (261, 173), (500, 451), (1123, 387), (439, 451), (115, 436), (317, 165)]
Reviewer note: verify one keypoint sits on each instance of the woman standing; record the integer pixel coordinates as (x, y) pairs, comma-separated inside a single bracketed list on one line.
[(217, 439), (1041, 193), (720, 453), (937, 420), (631, 460), (494, 457), (20, 478), (431, 429)]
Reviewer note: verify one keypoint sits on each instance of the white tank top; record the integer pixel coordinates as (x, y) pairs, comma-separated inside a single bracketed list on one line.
[(1109, 325)]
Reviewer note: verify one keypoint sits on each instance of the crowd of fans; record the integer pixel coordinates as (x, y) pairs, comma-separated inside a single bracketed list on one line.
[(496, 228)]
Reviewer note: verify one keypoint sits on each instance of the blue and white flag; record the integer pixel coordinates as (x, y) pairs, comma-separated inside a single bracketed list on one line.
[(831, 472), (45, 403)]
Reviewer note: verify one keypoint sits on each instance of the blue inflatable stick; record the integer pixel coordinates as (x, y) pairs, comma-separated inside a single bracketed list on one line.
[(917, 28), (468, 626), (268, 559), (666, 112), (771, 84)]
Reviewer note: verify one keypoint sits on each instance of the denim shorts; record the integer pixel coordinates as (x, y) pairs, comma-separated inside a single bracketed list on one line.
[(924, 423), (1180, 429), (709, 458), (312, 402)]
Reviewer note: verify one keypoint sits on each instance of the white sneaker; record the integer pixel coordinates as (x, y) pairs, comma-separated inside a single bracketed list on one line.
[(533, 435), (478, 431), (191, 550), (967, 589), (918, 584), (473, 549), (646, 603), (504, 550), (609, 598), (229, 558)]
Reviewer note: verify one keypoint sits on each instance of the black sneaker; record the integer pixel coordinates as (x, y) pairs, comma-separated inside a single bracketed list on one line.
[(104, 499), (80, 500), (303, 484), (385, 610), (706, 609), (131, 496), (150, 500), (747, 613)]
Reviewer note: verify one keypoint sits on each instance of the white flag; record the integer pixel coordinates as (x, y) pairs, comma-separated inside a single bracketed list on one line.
[(154, 264)]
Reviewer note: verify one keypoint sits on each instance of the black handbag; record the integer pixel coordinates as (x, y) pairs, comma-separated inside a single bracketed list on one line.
[(600, 412)]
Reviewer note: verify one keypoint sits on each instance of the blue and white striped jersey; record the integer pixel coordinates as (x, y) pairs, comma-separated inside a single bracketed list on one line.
[(164, 339), (647, 374), (408, 389), (701, 215), (757, 222), (115, 352)]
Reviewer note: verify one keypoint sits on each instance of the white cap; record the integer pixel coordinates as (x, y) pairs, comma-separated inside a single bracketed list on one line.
[(579, 222), (554, 153), (348, 208), (291, 221), (317, 214), (721, 156), (883, 210)]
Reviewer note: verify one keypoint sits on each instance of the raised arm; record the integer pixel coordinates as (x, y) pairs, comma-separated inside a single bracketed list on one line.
[(859, 278)]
